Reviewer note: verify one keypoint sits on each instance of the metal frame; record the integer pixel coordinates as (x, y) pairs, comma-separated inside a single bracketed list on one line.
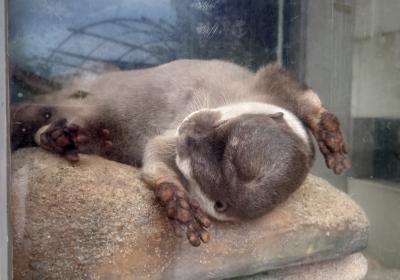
[(156, 31), (5, 236), (324, 60), (328, 65), (294, 38), (321, 32)]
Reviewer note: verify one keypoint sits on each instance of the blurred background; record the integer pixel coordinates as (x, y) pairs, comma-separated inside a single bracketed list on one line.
[(347, 50)]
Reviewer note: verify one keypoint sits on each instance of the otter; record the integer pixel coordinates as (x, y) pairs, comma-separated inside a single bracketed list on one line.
[(213, 139)]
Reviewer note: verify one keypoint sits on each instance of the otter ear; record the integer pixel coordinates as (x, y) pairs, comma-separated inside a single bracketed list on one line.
[(276, 116), (17, 107), (200, 125), (79, 94), (198, 133)]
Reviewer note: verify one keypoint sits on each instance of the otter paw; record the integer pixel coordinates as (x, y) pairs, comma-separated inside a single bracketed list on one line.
[(62, 138), (104, 135), (331, 142), (184, 212)]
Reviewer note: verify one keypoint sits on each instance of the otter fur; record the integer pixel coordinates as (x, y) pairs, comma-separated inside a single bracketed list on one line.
[(212, 138)]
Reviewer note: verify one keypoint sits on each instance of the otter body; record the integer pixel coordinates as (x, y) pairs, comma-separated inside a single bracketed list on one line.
[(209, 131)]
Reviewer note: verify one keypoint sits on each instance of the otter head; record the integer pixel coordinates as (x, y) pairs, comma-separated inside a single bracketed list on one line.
[(26, 120), (28, 117), (240, 166)]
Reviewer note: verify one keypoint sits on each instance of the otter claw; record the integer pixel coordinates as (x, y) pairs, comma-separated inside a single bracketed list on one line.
[(61, 138), (184, 212), (331, 142), (105, 137)]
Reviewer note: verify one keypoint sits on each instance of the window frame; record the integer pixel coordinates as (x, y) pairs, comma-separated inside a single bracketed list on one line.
[(5, 229), (305, 34)]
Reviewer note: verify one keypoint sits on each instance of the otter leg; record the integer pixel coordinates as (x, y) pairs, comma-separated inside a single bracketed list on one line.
[(159, 172), (284, 90), (66, 138), (61, 138)]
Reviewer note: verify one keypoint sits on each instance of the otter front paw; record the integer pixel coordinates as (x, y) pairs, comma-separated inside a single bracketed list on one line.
[(184, 212), (105, 139), (331, 142), (63, 138)]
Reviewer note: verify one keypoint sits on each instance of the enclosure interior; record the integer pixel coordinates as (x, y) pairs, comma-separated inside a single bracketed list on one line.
[(348, 51)]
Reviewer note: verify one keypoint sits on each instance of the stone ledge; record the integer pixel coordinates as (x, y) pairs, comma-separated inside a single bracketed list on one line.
[(97, 220), (352, 267)]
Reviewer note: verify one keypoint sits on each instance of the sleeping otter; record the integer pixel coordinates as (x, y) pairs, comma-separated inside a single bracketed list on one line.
[(212, 138)]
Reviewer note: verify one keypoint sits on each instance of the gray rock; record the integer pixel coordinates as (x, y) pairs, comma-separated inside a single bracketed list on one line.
[(353, 267), (378, 271), (97, 220)]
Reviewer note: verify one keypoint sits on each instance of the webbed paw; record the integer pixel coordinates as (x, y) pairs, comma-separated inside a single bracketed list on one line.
[(184, 212), (331, 142), (105, 139), (63, 138)]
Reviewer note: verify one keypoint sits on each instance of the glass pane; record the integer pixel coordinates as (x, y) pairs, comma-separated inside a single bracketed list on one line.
[(375, 119), (117, 106)]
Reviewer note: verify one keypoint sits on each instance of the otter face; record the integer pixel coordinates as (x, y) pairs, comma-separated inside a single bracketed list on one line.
[(241, 165), (26, 120)]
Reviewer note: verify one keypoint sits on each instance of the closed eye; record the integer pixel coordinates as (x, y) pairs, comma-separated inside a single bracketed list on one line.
[(220, 206)]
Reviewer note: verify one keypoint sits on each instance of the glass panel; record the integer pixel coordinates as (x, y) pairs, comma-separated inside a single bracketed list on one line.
[(71, 58), (375, 114), (5, 249)]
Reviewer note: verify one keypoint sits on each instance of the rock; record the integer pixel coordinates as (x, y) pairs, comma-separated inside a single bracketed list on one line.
[(378, 271), (97, 220), (353, 267), (383, 274)]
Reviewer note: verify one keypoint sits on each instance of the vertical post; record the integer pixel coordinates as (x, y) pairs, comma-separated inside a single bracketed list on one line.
[(279, 47), (328, 65), (5, 253), (294, 38)]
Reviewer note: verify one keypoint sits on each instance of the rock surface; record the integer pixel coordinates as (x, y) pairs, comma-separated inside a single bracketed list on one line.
[(353, 267), (97, 220)]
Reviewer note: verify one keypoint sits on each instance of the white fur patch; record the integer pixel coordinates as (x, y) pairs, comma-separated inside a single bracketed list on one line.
[(207, 204), (39, 132), (184, 167), (312, 98), (234, 110)]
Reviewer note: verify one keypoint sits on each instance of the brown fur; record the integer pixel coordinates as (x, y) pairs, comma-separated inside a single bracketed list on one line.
[(245, 165), (248, 164)]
